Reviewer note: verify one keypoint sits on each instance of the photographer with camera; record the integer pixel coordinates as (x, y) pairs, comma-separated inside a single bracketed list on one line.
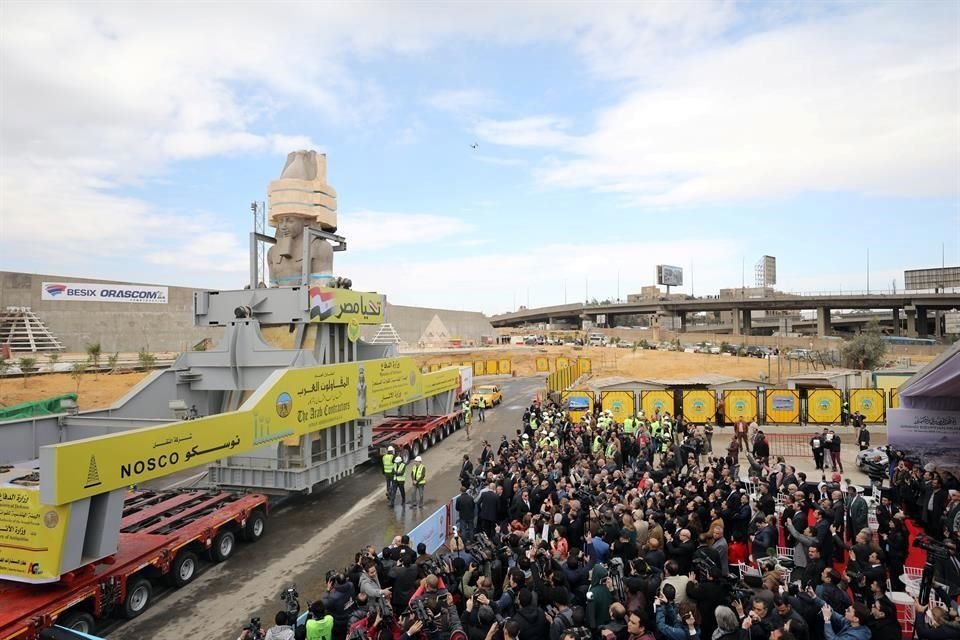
[(675, 623), (850, 626), (319, 624)]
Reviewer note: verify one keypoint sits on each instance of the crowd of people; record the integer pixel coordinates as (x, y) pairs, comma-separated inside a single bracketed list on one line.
[(594, 529)]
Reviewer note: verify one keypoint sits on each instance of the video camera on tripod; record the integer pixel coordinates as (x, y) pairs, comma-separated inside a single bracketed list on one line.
[(291, 599)]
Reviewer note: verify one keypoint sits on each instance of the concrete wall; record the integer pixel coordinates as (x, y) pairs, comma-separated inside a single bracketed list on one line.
[(117, 326), (128, 327)]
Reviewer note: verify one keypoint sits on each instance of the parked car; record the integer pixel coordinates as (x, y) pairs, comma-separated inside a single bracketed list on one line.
[(732, 349), (491, 394), (799, 354), (757, 352)]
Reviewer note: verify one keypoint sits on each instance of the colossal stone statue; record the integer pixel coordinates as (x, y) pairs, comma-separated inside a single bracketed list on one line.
[(300, 198)]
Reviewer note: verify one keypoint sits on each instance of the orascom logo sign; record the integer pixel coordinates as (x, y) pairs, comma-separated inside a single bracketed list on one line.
[(94, 292)]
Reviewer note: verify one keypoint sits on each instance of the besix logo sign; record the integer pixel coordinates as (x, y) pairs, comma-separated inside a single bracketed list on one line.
[(96, 292)]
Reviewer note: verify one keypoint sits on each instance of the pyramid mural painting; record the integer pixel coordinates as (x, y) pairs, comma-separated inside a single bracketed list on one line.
[(436, 333)]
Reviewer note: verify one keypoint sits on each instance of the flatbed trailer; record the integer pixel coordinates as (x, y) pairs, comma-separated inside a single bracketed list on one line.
[(163, 534), (415, 434)]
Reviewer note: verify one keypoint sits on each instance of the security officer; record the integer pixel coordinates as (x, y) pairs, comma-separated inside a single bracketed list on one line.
[(418, 473), (387, 461), (481, 405), (399, 481), (467, 410), (628, 425)]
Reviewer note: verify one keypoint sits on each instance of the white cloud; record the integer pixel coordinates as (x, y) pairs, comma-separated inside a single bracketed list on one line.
[(462, 102), (814, 107), (374, 231)]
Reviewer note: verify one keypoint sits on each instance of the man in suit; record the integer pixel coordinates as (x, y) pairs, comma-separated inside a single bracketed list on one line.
[(466, 513), (488, 503)]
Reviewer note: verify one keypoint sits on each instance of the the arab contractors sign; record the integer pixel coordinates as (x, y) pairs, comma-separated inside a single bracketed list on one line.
[(91, 292), (290, 403)]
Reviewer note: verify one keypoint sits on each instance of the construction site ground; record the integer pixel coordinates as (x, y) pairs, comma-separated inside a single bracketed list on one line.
[(102, 389)]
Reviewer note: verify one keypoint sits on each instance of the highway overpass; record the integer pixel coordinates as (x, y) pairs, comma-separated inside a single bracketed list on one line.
[(915, 307)]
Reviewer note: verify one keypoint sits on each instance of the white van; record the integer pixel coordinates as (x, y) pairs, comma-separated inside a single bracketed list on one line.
[(597, 340)]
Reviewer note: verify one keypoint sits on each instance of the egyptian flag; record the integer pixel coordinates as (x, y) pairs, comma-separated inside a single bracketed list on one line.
[(321, 303)]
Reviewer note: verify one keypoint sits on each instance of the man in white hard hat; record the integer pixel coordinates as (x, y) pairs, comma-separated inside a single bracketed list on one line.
[(387, 461), (418, 474)]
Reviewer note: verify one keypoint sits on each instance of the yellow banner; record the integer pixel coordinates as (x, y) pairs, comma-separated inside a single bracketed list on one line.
[(490, 367), (740, 402), (543, 364), (894, 398), (870, 403), (344, 305), (437, 382), (387, 383), (620, 404), (504, 367), (698, 405), (657, 401), (478, 368), (562, 362), (783, 407), (583, 365), (31, 535), (290, 403), (823, 406)]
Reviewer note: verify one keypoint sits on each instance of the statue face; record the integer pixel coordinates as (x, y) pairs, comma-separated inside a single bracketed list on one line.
[(290, 227)]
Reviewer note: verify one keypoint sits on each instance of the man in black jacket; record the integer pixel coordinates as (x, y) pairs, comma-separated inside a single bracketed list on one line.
[(488, 503), (708, 595), (337, 602), (404, 579), (532, 621), (681, 549), (466, 513)]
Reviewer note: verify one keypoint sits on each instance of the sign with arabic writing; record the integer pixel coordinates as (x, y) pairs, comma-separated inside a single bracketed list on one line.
[(289, 403), (31, 536), (391, 382), (344, 305)]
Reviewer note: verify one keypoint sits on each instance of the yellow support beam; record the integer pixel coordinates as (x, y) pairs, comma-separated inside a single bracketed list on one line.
[(291, 402)]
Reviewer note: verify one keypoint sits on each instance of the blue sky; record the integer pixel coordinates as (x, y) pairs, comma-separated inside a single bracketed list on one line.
[(612, 137)]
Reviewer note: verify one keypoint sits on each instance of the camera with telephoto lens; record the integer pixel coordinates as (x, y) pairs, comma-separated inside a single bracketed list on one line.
[(291, 598), (424, 615), (256, 631)]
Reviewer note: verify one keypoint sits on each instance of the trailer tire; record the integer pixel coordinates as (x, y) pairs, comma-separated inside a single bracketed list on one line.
[(139, 596), (223, 545), (415, 449), (183, 569), (256, 524), (78, 621), (433, 437)]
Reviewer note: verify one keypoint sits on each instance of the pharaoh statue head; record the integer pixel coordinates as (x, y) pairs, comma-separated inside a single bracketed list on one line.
[(301, 198)]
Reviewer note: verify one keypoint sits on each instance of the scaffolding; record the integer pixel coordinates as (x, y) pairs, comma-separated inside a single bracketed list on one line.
[(23, 331)]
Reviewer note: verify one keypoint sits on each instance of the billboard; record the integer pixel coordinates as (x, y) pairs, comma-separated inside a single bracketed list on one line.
[(94, 292), (937, 278), (669, 276)]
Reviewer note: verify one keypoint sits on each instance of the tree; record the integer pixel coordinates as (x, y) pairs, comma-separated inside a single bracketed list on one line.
[(93, 353), (76, 372), (147, 359), (26, 367), (112, 362), (866, 350), (52, 360)]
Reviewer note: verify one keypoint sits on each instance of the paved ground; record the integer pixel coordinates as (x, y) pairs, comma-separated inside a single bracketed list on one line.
[(309, 535)]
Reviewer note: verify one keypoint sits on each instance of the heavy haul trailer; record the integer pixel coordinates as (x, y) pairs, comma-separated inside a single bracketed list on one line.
[(163, 536), (414, 434)]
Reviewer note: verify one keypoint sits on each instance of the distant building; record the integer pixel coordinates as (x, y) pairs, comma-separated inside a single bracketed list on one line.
[(765, 272)]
